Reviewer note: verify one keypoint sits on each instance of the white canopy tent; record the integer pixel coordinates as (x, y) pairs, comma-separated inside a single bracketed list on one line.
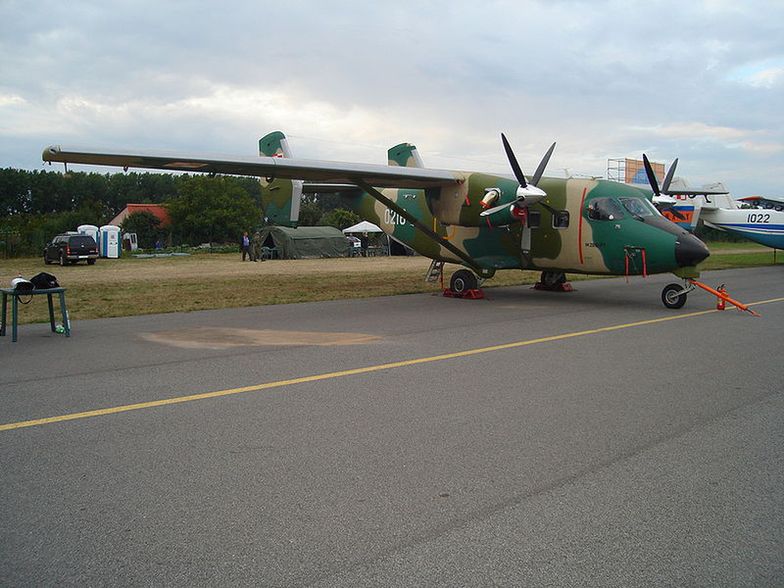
[(367, 227), (363, 227)]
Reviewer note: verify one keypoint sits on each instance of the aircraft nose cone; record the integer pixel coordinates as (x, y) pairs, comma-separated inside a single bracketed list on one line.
[(690, 251)]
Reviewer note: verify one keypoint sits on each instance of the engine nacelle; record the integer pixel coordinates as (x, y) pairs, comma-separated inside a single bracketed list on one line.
[(462, 204)]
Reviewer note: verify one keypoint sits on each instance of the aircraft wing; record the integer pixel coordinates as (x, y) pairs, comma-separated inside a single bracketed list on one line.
[(327, 172)]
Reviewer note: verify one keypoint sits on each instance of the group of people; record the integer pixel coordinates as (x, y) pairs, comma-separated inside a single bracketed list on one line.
[(251, 247)]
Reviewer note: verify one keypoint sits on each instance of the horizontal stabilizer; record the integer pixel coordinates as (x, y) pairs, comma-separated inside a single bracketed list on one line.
[(681, 186)]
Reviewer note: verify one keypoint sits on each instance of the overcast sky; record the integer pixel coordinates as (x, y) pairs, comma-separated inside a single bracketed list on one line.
[(700, 80)]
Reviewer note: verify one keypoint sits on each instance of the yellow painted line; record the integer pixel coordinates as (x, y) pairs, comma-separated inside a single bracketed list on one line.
[(352, 372)]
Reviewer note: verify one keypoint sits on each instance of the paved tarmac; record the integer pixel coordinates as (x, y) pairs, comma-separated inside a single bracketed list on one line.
[(591, 438)]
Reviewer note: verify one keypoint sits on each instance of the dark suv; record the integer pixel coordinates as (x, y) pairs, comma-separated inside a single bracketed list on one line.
[(71, 249)]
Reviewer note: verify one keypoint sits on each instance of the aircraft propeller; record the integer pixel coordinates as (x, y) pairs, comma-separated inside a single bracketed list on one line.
[(665, 202), (527, 192)]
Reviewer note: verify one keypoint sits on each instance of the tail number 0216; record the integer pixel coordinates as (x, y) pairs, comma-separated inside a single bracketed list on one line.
[(393, 218)]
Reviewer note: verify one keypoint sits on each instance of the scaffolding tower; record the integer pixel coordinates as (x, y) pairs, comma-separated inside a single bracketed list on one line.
[(632, 171)]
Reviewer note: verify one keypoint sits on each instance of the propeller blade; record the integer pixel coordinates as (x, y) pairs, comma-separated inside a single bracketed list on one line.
[(542, 165), (651, 176), (669, 176), (513, 162), (495, 209)]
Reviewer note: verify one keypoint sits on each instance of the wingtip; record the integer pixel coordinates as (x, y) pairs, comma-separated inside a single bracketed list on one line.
[(49, 152)]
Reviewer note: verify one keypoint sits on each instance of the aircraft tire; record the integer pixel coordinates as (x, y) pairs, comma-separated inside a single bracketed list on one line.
[(462, 281), (552, 280), (671, 298)]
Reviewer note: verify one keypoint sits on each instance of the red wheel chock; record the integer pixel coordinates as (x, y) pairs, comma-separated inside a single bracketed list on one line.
[(472, 294), (565, 287)]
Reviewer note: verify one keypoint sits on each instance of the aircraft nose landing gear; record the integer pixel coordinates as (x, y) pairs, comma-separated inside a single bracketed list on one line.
[(674, 296)]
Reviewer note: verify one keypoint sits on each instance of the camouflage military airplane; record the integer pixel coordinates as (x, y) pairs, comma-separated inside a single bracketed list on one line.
[(484, 222)]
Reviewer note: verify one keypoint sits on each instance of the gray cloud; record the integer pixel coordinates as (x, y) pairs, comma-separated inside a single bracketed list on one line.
[(701, 81)]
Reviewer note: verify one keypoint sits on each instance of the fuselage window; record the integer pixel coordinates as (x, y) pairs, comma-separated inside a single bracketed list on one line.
[(561, 219), (604, 209)]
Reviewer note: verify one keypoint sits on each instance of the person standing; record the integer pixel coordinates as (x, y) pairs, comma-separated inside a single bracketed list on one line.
[(245, 245), (363, 243), (255, 253)]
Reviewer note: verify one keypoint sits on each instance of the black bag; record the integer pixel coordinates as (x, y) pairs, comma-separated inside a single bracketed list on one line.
[(44, 281)]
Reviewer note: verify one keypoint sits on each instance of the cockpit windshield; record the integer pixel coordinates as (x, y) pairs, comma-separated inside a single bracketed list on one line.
[(604, 209), (638, 207)]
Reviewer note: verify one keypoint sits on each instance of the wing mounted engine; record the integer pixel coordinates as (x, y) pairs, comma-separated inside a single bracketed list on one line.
[(490, 200)]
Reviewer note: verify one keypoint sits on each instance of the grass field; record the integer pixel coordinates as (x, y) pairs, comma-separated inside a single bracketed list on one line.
[(130, 286)]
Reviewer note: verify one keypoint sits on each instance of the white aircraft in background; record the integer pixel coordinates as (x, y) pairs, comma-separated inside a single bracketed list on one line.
[(714, 205)]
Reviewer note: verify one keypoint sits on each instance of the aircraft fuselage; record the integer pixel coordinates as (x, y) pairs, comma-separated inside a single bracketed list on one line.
[(561, 233)]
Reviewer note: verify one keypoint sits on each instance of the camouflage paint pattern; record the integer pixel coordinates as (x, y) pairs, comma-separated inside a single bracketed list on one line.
[(280, 198), (404, 155), (584, 245), (439, 213)]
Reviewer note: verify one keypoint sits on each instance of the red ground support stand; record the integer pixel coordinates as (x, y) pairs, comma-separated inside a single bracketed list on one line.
[(565, 287), (473, 294)]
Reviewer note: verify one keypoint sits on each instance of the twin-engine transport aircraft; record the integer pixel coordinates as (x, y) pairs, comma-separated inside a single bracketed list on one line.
[(484, 222)]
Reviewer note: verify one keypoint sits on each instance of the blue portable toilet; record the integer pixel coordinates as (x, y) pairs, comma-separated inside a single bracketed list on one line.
[(92, 231), (111, 246)]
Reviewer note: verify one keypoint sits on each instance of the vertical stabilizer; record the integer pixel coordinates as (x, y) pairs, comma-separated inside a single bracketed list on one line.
[(280, 199), (275, 144), (404, 155)]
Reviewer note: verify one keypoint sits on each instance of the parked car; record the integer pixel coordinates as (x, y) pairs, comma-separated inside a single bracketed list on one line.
[(71, 249)]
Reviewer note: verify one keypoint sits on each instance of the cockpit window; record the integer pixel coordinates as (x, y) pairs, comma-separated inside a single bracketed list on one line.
[(604, 209), (638, 207)]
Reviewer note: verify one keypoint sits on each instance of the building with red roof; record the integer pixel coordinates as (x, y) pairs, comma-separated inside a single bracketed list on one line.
[(159, 210)]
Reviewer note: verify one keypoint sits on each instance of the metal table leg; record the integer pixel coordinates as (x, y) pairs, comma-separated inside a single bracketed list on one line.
[(66, 326), (5, 315), (51, 312)]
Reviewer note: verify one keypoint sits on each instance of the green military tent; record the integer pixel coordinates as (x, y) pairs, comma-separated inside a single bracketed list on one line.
[(304, 242)]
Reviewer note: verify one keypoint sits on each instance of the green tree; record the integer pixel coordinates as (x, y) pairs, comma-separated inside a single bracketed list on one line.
[(146, 226), (211, 209), (309, 214), (340, 218)]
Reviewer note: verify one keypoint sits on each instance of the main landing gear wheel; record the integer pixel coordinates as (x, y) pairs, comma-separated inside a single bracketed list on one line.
[(552, 280), (673, 296), (462, 281)]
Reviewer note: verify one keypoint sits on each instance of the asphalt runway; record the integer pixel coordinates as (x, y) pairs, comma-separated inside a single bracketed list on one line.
[(590, 438)]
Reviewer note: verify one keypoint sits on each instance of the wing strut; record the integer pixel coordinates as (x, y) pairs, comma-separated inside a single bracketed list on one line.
[(470, 261)]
